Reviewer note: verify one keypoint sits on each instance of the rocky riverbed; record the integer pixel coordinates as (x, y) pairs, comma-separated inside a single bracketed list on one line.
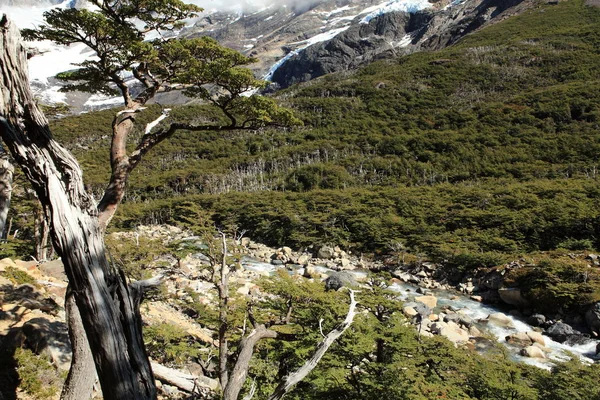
[(476, 312)]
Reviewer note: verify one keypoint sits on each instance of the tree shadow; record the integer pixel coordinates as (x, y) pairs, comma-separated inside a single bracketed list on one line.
[(9, 377), (39, 334)]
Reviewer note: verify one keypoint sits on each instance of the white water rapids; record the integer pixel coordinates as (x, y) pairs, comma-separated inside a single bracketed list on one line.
[(473, 309)]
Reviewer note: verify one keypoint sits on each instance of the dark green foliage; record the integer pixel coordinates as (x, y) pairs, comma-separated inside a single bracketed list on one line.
[(38, 377), (558, 282), (570, 380), (169, 344)]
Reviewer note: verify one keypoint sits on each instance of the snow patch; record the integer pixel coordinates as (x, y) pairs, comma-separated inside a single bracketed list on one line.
[(410, 6), (55, 59), (321, 37), (454, 3), (53, 95), (102, 101)]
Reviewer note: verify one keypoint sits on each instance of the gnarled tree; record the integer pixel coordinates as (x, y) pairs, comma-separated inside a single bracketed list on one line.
[(115, 31)]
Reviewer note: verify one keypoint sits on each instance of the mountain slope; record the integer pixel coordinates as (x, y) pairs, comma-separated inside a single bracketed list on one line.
[(292, 42), (392, 34), (515, 104)]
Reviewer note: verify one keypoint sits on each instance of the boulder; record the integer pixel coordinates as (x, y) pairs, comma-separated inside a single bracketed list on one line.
[(453, 317), (536, 320), (466, 321), (423, 310), (345, 263), (512, 296), (500, 319), (437, 327), (311, 272), (429, 301), (454, 333), (410, 312), (532, 352), (519, 339), (474, 332), (325, 252), (560, 332), (50, 338), (422, 291), (592, 317), (287, 251), (536, 337), (303, 259), (339, 279), (55, 269)]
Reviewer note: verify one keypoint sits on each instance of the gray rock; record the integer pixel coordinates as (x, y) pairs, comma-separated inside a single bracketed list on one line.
[(378, 39), (536, 320), (560, 332), (592, 317), (451, 317), (49, 337), (325, 252), (512, 296), (339, 279), (423, 310)]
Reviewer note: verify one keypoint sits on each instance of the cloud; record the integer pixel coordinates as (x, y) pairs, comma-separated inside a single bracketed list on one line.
[(245, 5)]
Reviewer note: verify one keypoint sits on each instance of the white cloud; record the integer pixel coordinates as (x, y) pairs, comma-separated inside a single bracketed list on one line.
[(245, 5)]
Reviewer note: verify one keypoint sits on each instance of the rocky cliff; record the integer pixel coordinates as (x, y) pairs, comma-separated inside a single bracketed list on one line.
[(394, 34)]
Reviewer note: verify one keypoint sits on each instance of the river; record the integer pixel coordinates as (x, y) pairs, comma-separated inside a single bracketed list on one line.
[(477, 311)]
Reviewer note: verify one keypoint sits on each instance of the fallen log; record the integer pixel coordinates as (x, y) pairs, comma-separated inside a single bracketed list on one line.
[(187, 382)]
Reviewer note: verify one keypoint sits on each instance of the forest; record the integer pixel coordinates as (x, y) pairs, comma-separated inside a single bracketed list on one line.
[(470, 157)]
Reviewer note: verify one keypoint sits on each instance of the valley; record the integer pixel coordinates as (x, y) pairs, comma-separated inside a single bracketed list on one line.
[(442, 162)]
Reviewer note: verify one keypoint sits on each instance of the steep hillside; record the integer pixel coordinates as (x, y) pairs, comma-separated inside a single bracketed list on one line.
[(473, 154)]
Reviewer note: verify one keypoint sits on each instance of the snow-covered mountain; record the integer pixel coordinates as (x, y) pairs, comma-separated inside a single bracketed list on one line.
[(293, 40)]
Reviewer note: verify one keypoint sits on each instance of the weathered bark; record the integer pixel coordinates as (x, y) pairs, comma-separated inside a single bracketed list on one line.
[(6, 178), (42, 234), (187, 382), (292, 379), (112, 326), (82, 374), (240, 370)]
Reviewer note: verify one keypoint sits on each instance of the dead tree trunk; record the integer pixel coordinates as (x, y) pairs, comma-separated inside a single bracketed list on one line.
[(108, 312)]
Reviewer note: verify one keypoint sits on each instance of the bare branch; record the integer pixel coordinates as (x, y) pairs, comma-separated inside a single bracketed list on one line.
[(292, 379), (321, 327), (252, 391), (151, 125)]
